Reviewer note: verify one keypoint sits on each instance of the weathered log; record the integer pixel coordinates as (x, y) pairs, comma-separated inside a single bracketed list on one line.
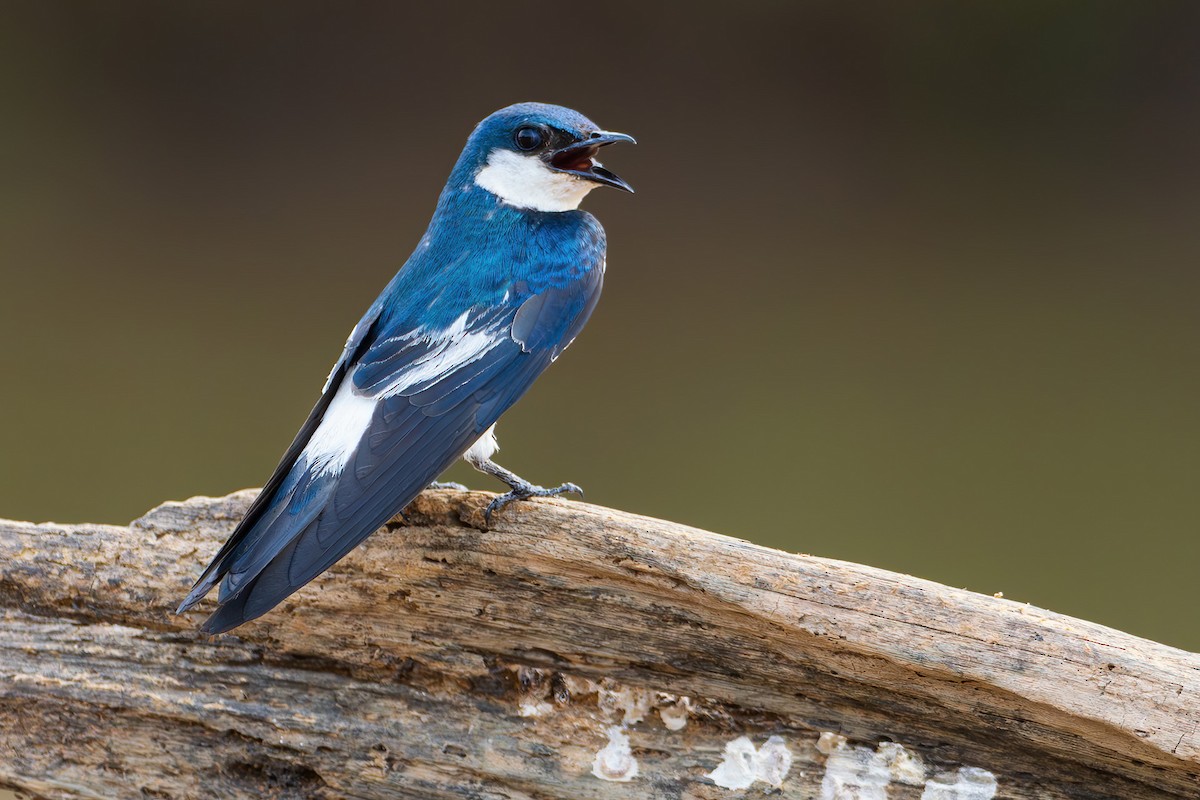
[(570, 652)]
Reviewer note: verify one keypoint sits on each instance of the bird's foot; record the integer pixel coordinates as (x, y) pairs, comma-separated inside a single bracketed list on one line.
[(458, 487), (525, 491)]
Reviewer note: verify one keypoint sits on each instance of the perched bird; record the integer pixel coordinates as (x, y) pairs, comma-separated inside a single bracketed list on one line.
[(501, 283)]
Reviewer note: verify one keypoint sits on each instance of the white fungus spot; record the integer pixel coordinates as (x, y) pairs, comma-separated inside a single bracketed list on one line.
[(854, 773), (633, 704), (774, 761), (742, 764), (736, 770), (533, 707), (860, 773), (675, 714), (829, 741), (615, 761), (968, 783), (903, 765)]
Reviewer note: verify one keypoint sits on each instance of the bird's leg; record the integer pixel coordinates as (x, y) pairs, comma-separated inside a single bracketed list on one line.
[(480, 455), (519, 488)]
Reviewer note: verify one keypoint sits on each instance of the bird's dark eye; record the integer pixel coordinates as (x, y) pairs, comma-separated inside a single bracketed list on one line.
[(529, 138)]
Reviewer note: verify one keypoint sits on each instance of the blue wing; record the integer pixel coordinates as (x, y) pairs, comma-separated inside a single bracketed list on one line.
[(424, 400)]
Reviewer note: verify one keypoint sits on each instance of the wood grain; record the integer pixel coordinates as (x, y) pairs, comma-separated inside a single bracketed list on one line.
[(440, 660)]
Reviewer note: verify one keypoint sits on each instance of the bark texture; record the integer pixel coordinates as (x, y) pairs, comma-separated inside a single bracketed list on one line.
[(570, 652)]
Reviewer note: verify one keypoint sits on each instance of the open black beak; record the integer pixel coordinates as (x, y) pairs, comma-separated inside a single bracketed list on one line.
[(580, 159)]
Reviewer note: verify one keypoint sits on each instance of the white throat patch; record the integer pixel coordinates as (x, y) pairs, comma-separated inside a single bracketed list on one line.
[(526, 182)]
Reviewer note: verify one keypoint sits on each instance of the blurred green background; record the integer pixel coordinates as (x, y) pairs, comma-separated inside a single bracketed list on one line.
[(913, 285)]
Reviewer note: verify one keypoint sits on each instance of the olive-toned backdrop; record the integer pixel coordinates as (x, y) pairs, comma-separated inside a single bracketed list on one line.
[(908, 284)]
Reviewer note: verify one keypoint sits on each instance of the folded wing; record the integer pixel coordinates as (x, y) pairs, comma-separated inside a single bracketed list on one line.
[(400, 407)]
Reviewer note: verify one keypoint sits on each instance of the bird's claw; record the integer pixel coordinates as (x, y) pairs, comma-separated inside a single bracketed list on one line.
[(524, 493)]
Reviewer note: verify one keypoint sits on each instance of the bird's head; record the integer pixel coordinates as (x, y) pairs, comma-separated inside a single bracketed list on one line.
[(541, 157)]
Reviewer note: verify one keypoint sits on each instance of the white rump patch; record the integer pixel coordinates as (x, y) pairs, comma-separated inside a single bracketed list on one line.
[(526, 182), (340, 431)]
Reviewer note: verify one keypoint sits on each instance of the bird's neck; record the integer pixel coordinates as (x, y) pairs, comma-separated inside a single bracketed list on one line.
[(470, 219), (480, 250)]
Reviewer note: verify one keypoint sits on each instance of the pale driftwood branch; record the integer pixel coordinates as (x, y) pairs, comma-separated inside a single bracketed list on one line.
[(443, 661)]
